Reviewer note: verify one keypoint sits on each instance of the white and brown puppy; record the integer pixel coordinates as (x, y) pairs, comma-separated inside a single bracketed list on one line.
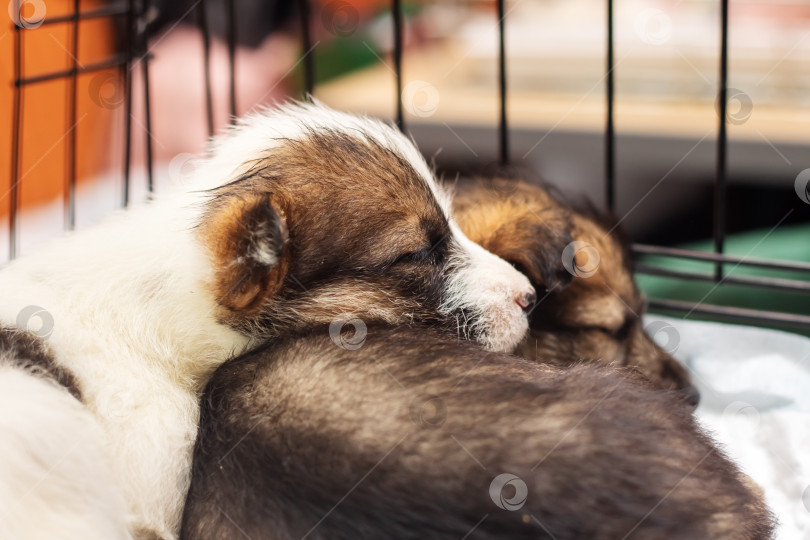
[(302, 214)]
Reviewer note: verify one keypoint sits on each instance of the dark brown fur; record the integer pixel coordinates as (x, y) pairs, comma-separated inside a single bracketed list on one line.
[(354, 230), (581, 318), (26, 351), (403, 437)]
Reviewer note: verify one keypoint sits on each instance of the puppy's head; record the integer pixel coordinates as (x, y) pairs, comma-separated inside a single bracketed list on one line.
[(327, 215), (592, 314), (521, 223)]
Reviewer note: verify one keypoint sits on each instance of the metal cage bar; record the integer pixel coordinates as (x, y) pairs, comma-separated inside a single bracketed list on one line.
[(202, 23), (144, 58), (610, 131), (734, 314), (16, 138), (126, 79), (70, 169), (720, 183), (231, 37), (111, 10), (779, 284), (112, 62), (503, 126), (135, 50), (396, 10), (692, 254)]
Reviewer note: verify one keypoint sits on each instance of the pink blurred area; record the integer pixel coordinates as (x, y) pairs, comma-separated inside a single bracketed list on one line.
[(177, 88)]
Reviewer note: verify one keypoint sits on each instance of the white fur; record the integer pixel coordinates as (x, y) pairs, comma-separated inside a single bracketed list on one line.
[(135, 322), (56, 480), (489, 287)]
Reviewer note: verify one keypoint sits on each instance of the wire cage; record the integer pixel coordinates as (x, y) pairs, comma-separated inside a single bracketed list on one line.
[(131, 19)]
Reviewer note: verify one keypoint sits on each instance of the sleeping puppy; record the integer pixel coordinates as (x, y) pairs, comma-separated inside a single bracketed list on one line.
[(592, 308), (301, 215), (413, 435)]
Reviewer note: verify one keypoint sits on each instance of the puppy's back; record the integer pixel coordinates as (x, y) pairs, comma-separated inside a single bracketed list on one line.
[(409, 436)]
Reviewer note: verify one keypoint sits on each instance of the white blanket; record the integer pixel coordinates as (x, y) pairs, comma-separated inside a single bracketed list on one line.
[(755, 399)]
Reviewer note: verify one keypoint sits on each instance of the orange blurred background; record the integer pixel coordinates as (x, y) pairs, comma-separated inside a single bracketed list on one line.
[(44, 142)]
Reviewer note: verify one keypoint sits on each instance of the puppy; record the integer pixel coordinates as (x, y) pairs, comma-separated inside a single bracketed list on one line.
[(592, 308), (301, 214), (413, 435)]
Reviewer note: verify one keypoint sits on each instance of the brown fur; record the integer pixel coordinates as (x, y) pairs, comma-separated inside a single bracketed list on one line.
[(594, 318), (229, 235), (403, 437), (523, 225), (28, 352), (353, 229)]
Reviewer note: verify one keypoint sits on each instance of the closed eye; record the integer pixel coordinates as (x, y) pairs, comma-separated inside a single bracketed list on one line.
[(412, 257), (433, 253), (623, 331), (614, 332)]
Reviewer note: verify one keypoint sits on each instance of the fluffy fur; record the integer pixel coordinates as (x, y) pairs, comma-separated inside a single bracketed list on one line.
[(593, 314), (301, 214), (51, 452), (404, 438)]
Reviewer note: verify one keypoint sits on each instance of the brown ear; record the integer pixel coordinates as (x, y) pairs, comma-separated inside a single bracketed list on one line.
[(247, 237), (533, 249)]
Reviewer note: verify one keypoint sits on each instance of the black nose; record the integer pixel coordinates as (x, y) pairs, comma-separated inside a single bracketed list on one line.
[(528, 301), (690, 395)]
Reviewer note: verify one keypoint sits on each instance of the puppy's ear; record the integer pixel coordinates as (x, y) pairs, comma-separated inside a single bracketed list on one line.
[(248, 240), (535, 250)]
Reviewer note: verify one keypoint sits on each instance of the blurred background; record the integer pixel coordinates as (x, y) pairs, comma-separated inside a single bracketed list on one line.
[(76, 110)]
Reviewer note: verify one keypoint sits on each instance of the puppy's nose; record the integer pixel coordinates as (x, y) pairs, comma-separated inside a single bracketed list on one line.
[(527, 299), (690, 395)]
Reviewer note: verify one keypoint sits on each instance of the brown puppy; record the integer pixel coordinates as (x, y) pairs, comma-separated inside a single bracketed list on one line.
[(592, 308), (413, 435)]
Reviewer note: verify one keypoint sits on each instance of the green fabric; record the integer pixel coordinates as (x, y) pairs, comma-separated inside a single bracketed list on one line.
[(790, 243)]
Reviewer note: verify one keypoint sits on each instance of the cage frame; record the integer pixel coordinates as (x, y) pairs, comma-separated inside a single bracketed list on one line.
[(133, 14)]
